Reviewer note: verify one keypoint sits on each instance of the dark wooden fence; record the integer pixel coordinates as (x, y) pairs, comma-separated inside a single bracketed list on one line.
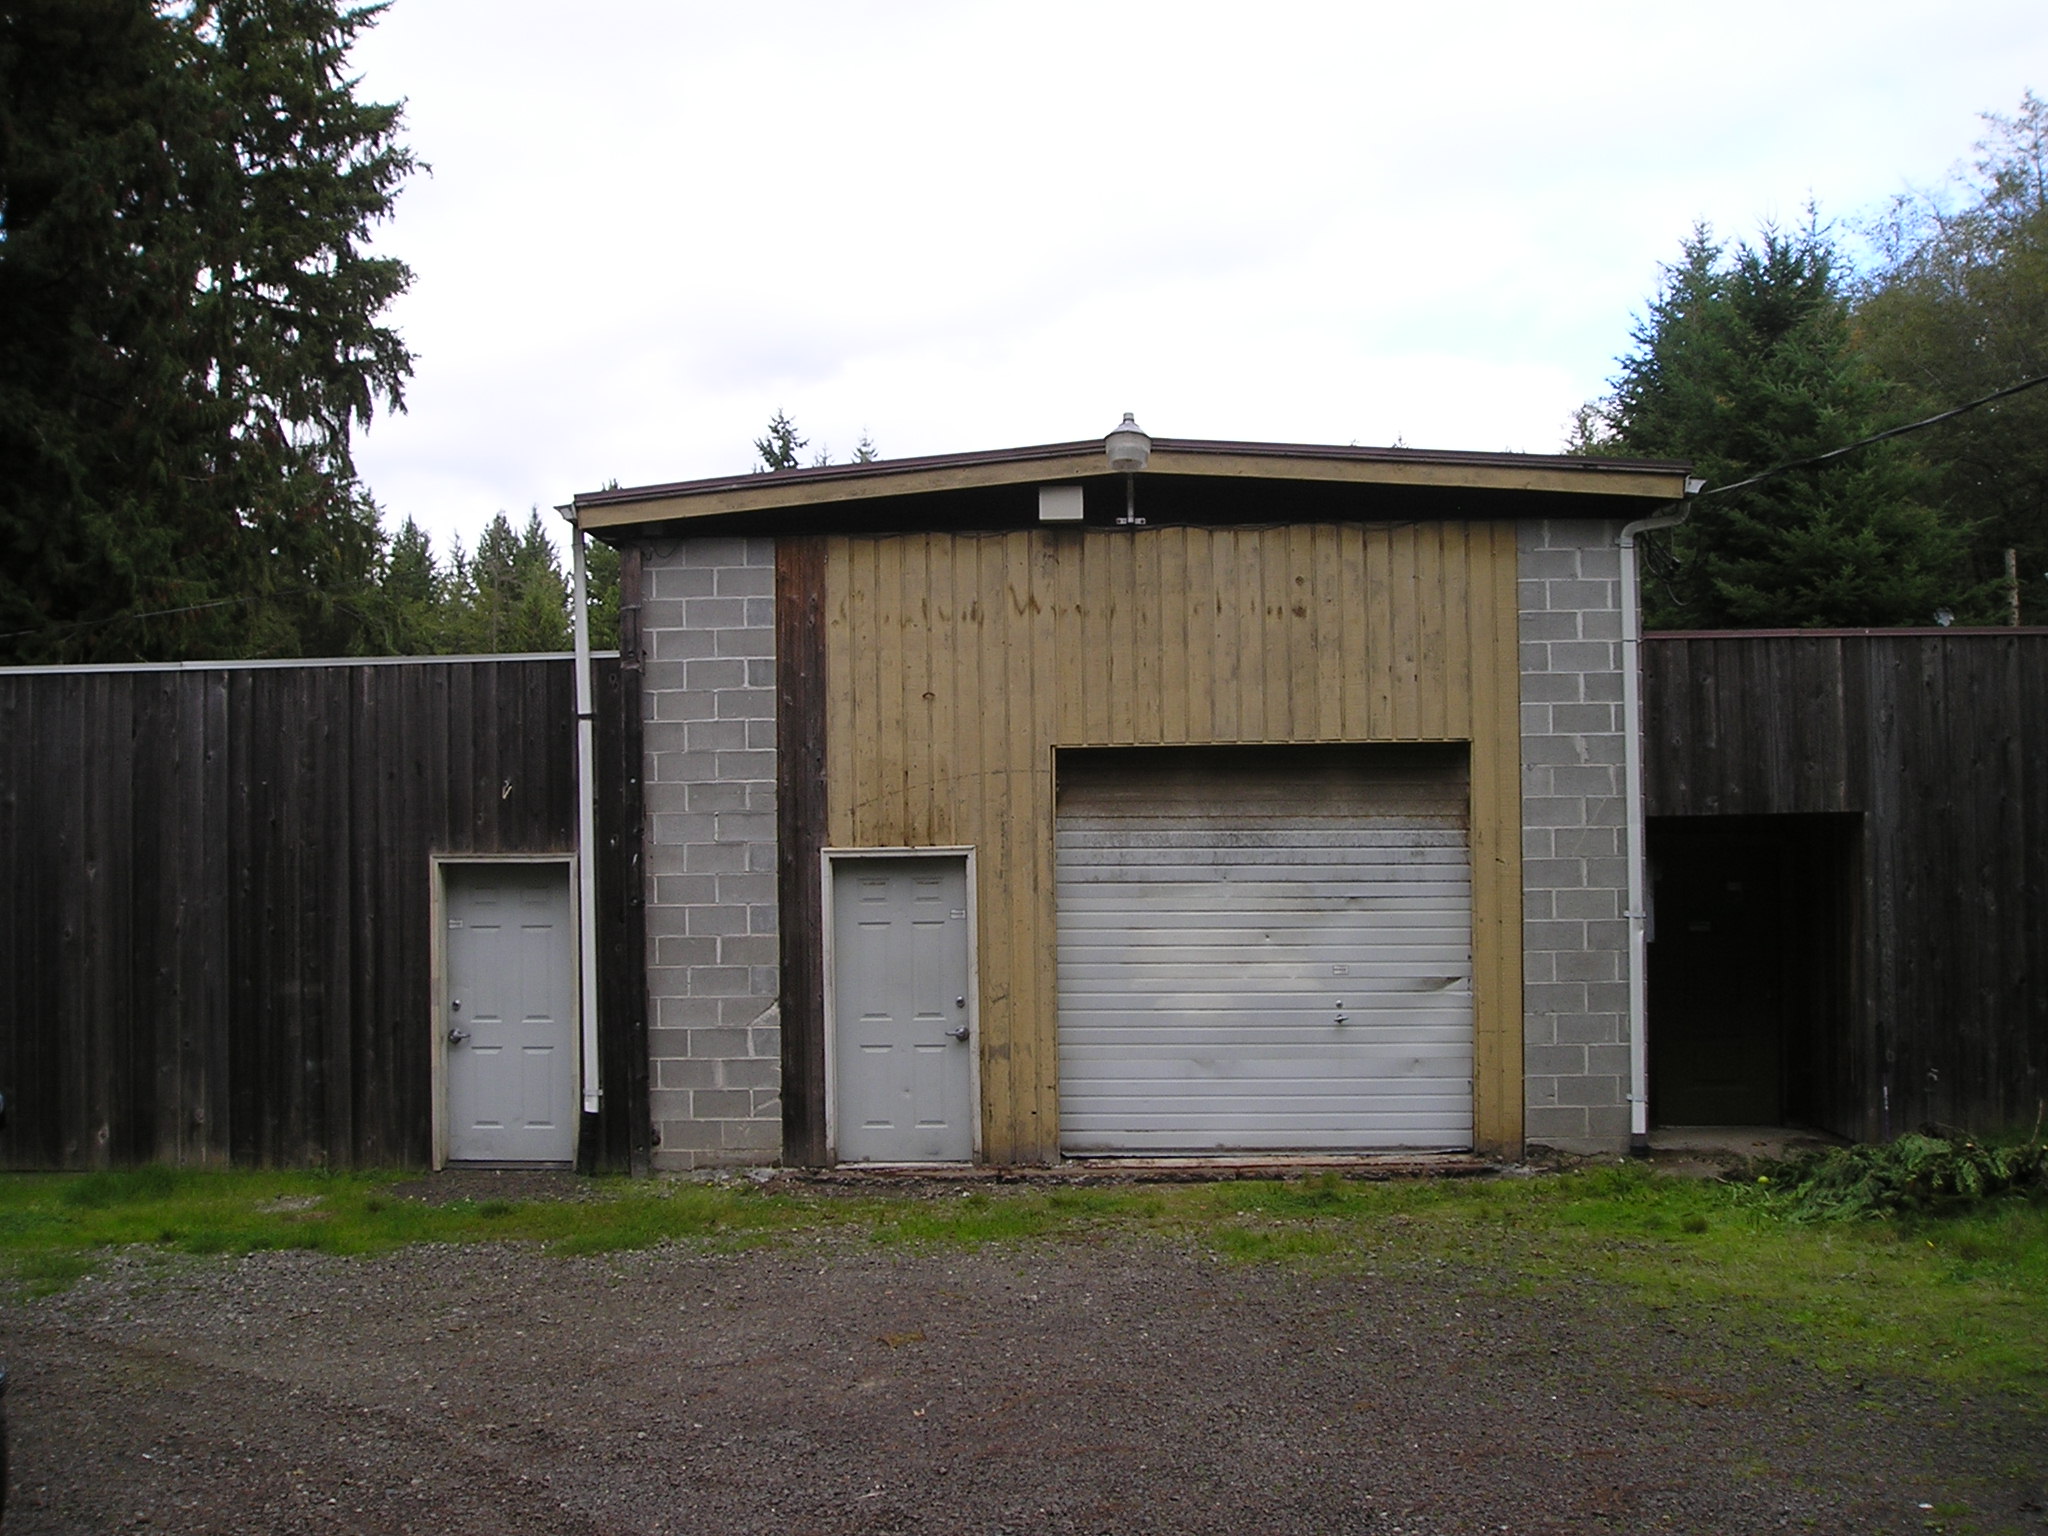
[(214, 900), (1938, 742), (215, 882)]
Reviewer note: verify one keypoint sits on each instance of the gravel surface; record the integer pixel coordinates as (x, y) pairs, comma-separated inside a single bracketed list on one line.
[(1117, 1385)]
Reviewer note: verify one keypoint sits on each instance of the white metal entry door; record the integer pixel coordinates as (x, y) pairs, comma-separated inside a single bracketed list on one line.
[(904, 1057), (1264, 950), (510, 1014)]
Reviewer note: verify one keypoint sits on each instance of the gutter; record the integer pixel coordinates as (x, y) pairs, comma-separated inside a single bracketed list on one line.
[(586, 819), (1638, 913)]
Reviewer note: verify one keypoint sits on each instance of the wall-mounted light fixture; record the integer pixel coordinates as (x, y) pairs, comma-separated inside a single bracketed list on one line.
[(1129, 450)]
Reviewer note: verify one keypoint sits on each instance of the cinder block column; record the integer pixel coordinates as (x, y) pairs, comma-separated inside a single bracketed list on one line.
[(714, 1035), (1574, 869)]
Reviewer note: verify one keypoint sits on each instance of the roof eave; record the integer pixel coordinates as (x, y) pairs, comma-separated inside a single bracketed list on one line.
[(1635, 481)]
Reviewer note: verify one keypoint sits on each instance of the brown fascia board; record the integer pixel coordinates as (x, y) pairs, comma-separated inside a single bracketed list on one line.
[(1904, 632), (1639, 480)]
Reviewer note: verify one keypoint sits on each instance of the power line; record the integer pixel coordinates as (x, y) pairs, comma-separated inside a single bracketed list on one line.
[(306, 589), (117, 618), (1877, 437)]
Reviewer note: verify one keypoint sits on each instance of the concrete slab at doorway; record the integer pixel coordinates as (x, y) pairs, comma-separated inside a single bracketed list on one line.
[(1708, 1151)]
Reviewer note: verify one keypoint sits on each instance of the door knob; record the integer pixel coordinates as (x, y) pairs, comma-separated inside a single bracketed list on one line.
[(457, 1036), (455, 1004), (958, 1034)]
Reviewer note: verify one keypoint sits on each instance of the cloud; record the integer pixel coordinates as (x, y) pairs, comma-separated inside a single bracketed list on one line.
[(969, 226)]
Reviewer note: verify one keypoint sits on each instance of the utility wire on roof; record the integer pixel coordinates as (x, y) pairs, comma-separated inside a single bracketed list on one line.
[(306, 589), (116, 618), (1877, 437)]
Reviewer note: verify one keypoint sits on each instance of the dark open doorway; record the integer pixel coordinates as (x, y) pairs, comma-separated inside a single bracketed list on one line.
[(1750, 969)]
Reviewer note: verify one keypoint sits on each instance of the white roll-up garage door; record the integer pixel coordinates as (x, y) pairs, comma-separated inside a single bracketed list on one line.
[(1264, 950)]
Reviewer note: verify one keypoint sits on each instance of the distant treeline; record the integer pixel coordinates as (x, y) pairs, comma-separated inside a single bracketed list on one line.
[(509, 594)]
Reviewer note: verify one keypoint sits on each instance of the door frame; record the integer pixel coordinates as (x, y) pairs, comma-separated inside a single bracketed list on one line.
[(826, 858), (437, 971)]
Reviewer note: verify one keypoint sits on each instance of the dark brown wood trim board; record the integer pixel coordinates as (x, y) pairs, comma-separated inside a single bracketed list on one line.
[(800, 838)]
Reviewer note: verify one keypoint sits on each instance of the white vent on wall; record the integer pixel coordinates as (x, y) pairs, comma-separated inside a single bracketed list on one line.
[(1059, 504)]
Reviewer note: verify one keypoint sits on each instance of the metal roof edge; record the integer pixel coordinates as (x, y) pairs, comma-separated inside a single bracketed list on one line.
[(1948, 631), (879, 469), (268, 663)]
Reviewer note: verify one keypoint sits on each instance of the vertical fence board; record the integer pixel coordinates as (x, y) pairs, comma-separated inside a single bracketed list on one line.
[(40, 1125), (107, 751), (71, 1012), (628, 976), (17, 981), (209, 905), (365, 833), (153, 826)]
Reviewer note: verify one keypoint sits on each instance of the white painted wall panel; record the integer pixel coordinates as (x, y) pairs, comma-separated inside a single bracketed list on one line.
[(1264, 952)]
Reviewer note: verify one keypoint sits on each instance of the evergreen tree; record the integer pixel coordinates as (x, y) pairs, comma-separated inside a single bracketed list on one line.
[(865, 451), (1956, 308), (410, 575), (1745, 362), (191, 328), (456, 602), (414, 596), (486, 591), (540, 619), (778, 450), (601, 593)]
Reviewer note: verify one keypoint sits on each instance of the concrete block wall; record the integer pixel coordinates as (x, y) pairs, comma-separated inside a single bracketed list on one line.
[(1574, 853), (714, 1035)]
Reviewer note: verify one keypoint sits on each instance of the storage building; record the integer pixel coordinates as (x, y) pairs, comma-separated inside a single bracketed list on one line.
[(1022, 805)]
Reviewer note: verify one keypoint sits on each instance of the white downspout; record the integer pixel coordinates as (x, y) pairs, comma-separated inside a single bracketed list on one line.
[(1638, 862), (586, 817)]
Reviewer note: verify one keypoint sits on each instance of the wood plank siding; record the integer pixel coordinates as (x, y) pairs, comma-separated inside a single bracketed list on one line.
[(214, 912), (957, 665), (1934, 748)]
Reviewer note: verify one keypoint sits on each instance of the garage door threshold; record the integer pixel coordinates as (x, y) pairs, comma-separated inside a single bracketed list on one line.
[(1353, 1165), (1161, 1170)]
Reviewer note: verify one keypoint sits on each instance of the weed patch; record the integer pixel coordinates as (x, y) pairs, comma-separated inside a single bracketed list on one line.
[(1915, 1175)]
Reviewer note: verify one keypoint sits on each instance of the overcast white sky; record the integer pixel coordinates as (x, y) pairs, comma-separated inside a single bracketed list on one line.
[(963, 226)]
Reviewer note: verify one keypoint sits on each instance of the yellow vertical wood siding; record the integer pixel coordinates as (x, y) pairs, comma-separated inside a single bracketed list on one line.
[(956, 664)]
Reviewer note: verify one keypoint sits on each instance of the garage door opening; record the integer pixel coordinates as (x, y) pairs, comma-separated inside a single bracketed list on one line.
[(1264, 949), (1750, 984)]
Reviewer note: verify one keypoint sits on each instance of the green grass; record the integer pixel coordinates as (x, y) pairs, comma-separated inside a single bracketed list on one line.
[(1958, 1300), (242, 1212)]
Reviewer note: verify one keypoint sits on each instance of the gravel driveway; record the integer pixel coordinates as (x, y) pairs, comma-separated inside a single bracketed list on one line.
[(827, 1385)]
